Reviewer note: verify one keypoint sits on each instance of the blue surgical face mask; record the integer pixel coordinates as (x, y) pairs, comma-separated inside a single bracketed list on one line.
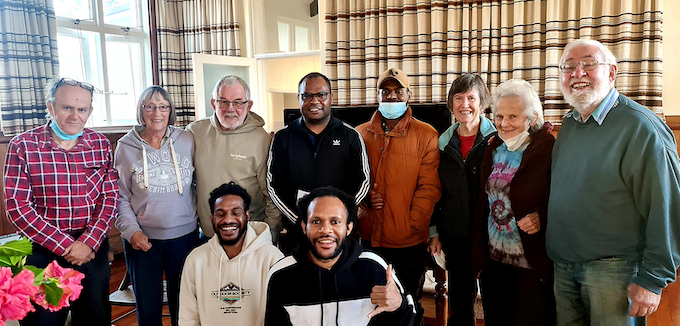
[(61, 134), (392, 110)]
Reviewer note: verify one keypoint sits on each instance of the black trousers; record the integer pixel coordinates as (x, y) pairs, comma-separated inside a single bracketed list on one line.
[(410, 265), (92, 307), (462, 286), (515, 296)]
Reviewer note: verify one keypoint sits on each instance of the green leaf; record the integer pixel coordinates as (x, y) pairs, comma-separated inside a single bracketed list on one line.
[(5, 262), (52, 293), (19, 248), (16, 270), (38, 272)]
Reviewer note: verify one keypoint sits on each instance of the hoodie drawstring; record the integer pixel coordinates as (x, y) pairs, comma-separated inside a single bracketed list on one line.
[(219, 278), (337, 300), (240, 283), (321, 296), (174, 161), (146, 173)]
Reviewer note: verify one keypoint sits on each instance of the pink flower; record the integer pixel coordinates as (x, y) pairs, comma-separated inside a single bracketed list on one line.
[(15, 294), (69, 281)]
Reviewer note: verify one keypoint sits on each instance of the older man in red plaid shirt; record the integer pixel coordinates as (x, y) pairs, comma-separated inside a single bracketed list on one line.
[(61, 192)]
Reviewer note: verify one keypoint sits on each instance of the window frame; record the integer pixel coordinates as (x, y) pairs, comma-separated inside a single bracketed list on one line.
[(106, 33)]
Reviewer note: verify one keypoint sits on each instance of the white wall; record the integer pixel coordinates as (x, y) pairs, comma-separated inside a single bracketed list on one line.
[(671, 57)]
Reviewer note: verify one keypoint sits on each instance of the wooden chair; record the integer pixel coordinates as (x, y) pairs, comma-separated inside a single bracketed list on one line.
[(435, 295)]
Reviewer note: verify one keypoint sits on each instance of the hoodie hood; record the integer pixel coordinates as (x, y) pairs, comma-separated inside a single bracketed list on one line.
[(256, 236), (350, 253), (252, 121), (133, 138), (486, 128)]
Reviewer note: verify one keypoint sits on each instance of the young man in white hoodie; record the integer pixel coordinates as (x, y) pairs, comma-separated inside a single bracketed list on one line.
[(223, 281)]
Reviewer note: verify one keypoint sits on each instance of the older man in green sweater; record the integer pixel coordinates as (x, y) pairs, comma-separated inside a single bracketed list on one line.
[(614, 210)]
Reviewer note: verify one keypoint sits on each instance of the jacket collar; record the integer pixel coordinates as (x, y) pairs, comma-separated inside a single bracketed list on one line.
[(298, 124), (400, 130), (485, 129), (537, 140)]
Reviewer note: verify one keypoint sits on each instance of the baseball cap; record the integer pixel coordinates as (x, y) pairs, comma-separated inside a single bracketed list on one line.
[(395, 74)]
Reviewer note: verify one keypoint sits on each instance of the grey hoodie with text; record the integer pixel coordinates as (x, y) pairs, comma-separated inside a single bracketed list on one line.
[(153, 199)]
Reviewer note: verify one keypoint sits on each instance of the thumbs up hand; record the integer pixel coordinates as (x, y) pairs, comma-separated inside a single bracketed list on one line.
[(375, 200), (387, 296)]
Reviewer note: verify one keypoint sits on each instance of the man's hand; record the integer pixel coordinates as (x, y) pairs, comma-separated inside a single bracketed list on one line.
[(387, 297), (434, 246), (140, 241), (530, 223), (78, 253), (643, 301), (375, 200)]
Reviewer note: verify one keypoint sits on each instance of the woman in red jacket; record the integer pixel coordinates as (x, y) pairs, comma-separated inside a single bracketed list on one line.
[(516, 280)]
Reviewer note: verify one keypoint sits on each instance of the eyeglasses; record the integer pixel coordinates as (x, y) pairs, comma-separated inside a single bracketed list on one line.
[(73, 82), (587, 65), (307, 97), (393, 93), (236, 104), (152, 108)]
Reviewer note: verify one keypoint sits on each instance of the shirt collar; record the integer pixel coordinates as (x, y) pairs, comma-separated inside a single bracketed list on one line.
[(610, 101), (48, 141)]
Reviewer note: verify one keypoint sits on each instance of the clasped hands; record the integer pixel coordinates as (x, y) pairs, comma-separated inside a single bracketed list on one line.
[(78, 253)]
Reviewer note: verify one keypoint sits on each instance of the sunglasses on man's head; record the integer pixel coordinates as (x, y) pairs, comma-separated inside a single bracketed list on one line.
[(72, 82)]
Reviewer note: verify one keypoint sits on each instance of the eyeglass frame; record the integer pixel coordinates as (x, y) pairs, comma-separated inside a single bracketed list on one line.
[(236, 104), (72, 82), (167, 108), (585, 66), (321, 96)]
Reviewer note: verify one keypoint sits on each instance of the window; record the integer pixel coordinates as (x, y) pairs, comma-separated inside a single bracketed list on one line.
[(106, 43), (287, 26)]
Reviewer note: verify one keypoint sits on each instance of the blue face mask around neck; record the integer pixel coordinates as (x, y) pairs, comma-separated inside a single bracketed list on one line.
[(392, 110), (61, 134)]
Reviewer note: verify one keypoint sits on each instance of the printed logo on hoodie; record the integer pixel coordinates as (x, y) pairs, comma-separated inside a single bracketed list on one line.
[(161, 171), (231, 294), (238, 157)]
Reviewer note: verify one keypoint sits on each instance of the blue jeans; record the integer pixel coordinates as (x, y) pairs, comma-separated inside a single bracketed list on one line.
[(595, 293), (146, 271)]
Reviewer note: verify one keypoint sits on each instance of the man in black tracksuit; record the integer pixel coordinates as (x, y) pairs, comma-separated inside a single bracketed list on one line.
[(314, 151), (330, 279)]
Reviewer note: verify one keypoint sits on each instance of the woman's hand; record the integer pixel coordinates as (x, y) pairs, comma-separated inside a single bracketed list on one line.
[(530, 223), (434, 246), (140, 241)]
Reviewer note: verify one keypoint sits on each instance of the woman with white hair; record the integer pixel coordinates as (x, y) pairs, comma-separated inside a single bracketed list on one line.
[(157, 208), (516, 274)]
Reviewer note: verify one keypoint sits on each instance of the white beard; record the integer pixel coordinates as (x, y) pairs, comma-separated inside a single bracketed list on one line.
[(582, 101)]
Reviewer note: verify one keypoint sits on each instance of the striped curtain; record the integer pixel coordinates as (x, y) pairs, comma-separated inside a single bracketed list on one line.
[(184, 27), (28, 51), (437, 41)]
